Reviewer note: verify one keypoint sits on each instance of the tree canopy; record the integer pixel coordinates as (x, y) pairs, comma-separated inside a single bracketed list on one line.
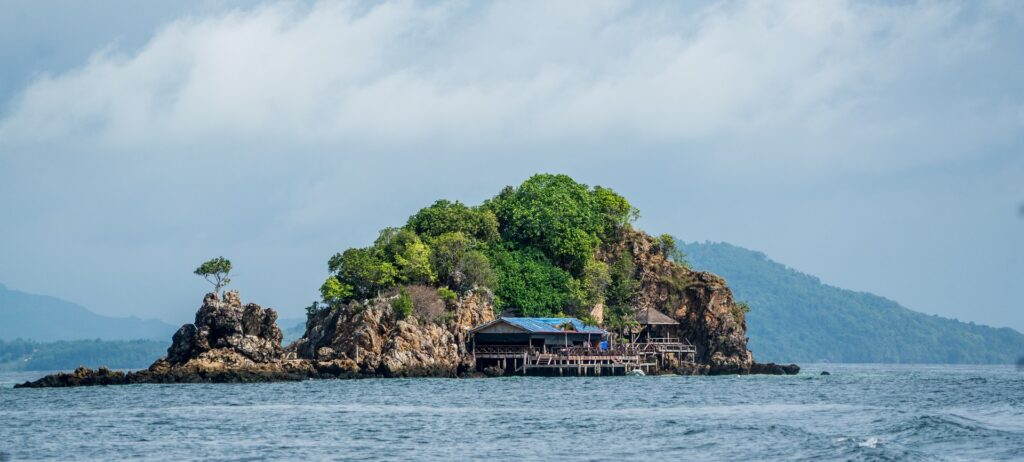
[(215, 271), (533, 245)]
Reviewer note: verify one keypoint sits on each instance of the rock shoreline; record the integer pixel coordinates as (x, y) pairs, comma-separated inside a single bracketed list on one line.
[(83, 376), (236, 343)]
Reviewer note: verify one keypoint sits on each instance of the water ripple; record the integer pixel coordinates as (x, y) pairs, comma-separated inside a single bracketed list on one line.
[(858, 413)]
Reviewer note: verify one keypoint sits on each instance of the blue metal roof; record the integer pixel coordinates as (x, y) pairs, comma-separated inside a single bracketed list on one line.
[(550, 325)]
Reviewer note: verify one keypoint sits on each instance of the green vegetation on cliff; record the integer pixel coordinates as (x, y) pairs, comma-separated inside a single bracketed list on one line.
[(794, 317), (534, 245)]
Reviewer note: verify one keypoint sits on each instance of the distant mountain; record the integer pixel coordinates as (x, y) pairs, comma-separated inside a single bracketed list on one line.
[(43, 319), (292, 329), (27, 355), (796, 318)]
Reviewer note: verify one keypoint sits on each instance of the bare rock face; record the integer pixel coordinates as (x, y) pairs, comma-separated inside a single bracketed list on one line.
[(366, 338), (701, 302), (226, 329)]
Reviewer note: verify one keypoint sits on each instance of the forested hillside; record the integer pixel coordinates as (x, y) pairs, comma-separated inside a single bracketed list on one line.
[(26, 355), (794, 317), (550, 246)]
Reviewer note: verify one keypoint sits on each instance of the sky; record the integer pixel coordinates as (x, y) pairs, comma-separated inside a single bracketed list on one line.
[(876, 145)]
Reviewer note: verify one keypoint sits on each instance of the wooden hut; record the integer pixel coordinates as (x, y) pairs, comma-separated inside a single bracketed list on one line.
[(653, 325)]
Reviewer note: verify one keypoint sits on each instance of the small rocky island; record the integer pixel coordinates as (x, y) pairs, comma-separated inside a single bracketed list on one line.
[(408, 305)]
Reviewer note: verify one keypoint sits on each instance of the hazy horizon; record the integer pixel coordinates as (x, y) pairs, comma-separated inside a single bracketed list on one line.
[(876, 146)]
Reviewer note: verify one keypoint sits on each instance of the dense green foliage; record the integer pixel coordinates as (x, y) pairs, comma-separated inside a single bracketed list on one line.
[(454, 217), (527, 277), (562, 218), (533, 245), (215, 271), (26, 355), (402, 304), (796, 318), (622, 287)]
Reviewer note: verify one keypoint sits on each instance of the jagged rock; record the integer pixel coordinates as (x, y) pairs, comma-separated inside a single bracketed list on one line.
[(250, 331), (370, 336), (494, 371), (227, 343), (82, 376), (701, 302), (184, 345), (774, 369)]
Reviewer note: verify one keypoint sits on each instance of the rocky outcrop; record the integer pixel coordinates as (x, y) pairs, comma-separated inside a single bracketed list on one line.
[(367, 338), (224, 330), (228, 342), (702, 303), (774, 369)]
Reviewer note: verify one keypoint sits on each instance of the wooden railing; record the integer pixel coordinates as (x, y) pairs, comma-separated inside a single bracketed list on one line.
[(659, 345)]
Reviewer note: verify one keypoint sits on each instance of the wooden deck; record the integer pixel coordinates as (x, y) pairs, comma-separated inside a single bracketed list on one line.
[(646, 356)]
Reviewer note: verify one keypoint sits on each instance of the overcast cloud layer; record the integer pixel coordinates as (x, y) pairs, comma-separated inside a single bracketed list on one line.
[(875, 145)]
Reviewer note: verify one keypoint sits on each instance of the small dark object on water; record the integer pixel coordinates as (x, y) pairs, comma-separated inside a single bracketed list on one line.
[(825, 373)]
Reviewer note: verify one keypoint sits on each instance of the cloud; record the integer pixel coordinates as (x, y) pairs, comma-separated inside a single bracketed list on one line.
[(280, 133), (400, 74)]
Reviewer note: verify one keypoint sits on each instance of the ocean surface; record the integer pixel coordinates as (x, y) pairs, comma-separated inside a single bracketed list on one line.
[(860, 412)]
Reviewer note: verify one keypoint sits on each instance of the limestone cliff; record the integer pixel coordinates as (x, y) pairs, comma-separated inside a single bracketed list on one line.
[(701, 302), (367, 338)]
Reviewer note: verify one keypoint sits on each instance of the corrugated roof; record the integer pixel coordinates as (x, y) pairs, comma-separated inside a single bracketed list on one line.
[(547, 325), (649, 316)]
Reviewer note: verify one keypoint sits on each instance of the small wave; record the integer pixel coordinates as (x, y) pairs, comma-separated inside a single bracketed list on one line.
[(869, 443)]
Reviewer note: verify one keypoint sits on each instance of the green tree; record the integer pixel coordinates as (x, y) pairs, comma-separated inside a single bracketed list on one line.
[(553, 213), (215, 271), (454, 217), (622, 291), (458, 265), (449, 296), (476, 271), (363, 271), (616, 211), (449, 250), (563, 218), (593, 284), (335, 292), (409, 255), (402, 305), (529, 283), (670, 249), (666, 244)]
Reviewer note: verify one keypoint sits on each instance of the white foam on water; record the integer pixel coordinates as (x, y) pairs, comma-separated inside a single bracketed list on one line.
[(869, 443)]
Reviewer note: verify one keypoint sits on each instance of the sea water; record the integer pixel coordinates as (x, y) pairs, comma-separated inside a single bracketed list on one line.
[(859, 412)]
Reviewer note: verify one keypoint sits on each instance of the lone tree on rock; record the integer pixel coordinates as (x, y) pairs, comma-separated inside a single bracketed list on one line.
[(216, 272)]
